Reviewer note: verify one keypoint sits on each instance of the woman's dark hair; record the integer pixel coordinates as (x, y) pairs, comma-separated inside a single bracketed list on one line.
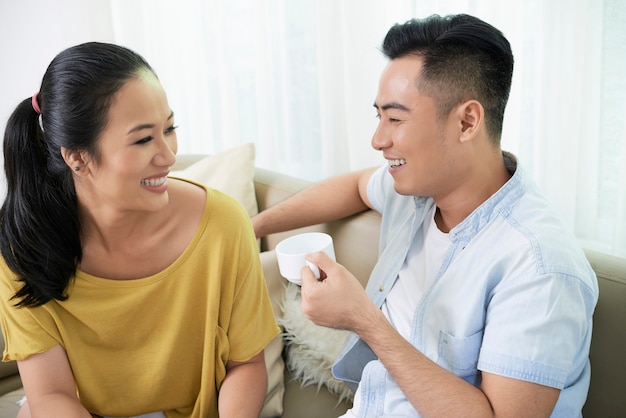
[(464, 58), (40, 231)]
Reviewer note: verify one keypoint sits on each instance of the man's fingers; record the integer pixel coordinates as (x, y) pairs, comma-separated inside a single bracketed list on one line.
[(307, 276)]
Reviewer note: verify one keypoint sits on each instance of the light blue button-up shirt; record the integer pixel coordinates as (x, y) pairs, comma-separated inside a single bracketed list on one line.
[(514, 297)]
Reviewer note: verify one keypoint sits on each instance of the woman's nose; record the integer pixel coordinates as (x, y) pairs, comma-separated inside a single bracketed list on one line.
[(166, 155)]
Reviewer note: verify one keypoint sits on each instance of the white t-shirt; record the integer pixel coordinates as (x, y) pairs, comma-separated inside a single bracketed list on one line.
[(418, 273), (416, 276)]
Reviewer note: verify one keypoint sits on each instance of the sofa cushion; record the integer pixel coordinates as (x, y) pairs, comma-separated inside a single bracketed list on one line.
[(10, 403), (6, 368), (275, 365), (230, 171), (608, 343)]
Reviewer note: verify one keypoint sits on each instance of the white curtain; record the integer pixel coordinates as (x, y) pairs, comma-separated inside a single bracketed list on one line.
[(298, 78)]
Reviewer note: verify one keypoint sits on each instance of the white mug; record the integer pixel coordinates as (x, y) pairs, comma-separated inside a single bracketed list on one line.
[(291, 253)]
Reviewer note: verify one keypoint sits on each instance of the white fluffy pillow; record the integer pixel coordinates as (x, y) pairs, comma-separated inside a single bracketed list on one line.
[(311, 349), (230, 171)]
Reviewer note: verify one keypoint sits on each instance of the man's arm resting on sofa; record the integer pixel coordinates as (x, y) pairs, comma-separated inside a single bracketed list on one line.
[(329, 200)]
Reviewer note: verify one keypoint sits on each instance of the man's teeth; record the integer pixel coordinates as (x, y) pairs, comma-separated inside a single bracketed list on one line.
[(395, 163), (153, 182)]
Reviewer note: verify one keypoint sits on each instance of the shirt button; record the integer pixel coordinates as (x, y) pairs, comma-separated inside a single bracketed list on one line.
[(382, 287)]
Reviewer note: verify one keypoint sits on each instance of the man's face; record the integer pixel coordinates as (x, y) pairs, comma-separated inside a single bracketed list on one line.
[(413, 139)]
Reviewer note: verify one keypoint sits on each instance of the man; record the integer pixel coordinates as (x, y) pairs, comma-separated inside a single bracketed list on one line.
[(481, 302)]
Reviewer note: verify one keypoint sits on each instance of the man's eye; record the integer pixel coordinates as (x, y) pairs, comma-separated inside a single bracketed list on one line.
[(391, 120)]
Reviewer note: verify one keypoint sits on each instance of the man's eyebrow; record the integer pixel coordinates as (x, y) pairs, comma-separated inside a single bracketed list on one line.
[(147, 125), (392, 105)]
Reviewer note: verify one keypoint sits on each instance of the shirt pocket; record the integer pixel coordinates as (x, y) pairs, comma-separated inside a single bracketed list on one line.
[(460, 355)]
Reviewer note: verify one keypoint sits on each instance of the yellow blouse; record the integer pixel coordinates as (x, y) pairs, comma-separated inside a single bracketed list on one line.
[(159, 343)]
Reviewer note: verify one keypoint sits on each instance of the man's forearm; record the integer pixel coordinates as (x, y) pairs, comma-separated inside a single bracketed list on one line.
[(435, 392), (326, 201), (432, 390)]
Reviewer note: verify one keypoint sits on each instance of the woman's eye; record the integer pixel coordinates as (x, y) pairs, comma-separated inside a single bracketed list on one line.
[(171, 129), (145, 140)]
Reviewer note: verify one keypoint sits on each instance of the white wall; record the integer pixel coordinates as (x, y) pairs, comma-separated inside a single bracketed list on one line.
[(32, 32)]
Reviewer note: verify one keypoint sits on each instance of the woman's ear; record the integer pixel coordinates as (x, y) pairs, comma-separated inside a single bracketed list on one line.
[(75, 160), (471, 117)]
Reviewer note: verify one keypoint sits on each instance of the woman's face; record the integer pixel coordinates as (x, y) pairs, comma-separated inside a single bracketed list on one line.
[(137, 148)]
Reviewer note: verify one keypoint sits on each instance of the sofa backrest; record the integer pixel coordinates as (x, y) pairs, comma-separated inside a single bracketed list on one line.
[(356, 247)]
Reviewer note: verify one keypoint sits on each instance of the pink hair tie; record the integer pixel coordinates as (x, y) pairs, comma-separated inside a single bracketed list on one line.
[(35, 103)]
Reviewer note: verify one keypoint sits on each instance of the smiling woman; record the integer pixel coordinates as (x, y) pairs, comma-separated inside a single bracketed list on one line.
[(100, 249)]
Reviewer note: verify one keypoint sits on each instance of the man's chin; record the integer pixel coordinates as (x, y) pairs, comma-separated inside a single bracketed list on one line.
[(403, 190)]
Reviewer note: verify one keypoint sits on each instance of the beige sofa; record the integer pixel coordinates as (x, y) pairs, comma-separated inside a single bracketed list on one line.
[(355, 242)]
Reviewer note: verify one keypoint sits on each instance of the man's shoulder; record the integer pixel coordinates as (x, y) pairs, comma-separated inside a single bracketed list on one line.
[(548, 239)]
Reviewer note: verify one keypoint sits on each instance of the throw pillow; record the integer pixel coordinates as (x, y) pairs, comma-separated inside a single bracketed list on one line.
[(311, 350), (230, 171)]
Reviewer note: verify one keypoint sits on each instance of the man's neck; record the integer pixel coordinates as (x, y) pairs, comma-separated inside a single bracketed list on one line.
[(480, 185)]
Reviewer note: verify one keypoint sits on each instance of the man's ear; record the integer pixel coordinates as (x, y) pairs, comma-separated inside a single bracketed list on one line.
[(471, 117), (76, 160)]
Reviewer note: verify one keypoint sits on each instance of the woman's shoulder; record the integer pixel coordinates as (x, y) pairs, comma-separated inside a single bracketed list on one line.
[(193, 200), (187, 206), (9, 282), (186, 193)]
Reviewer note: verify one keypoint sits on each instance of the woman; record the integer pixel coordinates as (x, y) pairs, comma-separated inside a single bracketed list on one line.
[(124, 292)]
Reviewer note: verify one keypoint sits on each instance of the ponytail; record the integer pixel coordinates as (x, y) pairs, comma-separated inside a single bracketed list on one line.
[(39, 228)]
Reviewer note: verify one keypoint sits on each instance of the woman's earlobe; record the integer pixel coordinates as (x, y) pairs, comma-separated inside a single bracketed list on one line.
[(75, 160)]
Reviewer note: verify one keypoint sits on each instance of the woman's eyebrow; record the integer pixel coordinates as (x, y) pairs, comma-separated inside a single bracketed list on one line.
[(147, 125)]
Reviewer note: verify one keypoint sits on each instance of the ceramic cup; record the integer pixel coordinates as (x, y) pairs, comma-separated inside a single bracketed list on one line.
[(291, 253)]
